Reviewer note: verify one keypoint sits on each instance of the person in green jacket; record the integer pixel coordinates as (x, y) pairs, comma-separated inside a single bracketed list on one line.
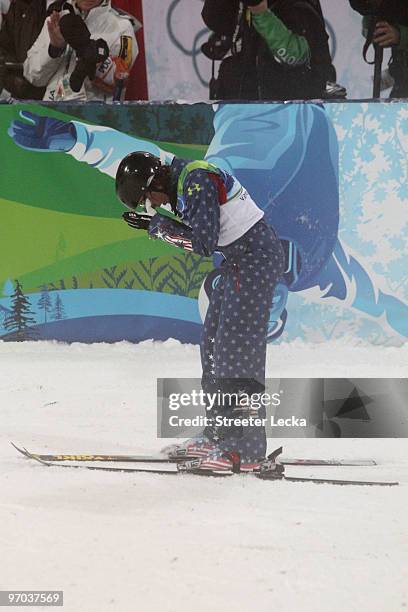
[(279, 49)]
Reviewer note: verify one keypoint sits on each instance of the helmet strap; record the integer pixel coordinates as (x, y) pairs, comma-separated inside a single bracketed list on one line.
[(149, 208)]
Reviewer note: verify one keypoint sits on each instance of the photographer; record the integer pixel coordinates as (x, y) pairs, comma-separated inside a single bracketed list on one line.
[(85, 51), (279, 49), (20, 29), (385, 24)]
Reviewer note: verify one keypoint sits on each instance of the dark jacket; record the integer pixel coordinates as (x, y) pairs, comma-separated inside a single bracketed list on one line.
[(258, 73), (19, 31), (394, 12)]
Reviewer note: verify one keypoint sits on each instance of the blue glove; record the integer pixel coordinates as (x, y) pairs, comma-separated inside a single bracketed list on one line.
[(42, 133)]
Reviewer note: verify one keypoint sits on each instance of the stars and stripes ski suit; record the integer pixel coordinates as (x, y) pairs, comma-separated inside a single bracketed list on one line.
[(219, 215)]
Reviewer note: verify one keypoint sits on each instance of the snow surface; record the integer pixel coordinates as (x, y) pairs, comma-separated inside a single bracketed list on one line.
[(126, 542)]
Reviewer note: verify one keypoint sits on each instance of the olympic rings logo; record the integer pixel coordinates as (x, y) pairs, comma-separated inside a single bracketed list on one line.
[(199, 38)]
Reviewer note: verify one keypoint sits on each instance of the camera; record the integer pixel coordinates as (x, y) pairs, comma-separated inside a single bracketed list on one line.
[(89, 52), (217, 47)]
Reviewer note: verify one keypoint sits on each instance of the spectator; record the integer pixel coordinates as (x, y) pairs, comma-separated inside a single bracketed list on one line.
[(279, 49), (51, 60), (20, 29), (391, 30)]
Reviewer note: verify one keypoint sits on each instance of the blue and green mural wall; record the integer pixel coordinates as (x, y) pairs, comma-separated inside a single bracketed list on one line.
[(332, 179)]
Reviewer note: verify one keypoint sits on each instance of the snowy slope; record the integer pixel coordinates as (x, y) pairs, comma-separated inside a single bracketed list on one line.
[(125, 542)]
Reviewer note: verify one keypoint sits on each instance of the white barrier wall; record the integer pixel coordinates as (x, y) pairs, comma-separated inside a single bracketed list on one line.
[(4, 7)]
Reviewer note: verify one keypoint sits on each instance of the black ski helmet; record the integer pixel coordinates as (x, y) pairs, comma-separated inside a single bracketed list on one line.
[(134, 176)]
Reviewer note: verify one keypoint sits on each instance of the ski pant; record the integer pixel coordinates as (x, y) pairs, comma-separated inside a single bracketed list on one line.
[(233, 346)]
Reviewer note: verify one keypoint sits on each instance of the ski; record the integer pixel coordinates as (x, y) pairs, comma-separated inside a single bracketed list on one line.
[(163, 459), (101, 468), (334, 481), (328, 462), (181, 469), (94, 457)]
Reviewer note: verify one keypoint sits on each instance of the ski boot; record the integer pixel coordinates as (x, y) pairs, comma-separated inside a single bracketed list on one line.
[(271, 468)]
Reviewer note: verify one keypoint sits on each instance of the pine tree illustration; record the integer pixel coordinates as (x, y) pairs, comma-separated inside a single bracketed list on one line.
[(18, 322), (58, 312), (3, 317), (45, 302)]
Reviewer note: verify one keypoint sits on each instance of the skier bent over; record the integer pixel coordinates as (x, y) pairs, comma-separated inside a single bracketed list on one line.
[(217, 215)]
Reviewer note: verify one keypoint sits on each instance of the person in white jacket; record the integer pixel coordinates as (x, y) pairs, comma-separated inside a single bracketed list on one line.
[(51, 61)]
